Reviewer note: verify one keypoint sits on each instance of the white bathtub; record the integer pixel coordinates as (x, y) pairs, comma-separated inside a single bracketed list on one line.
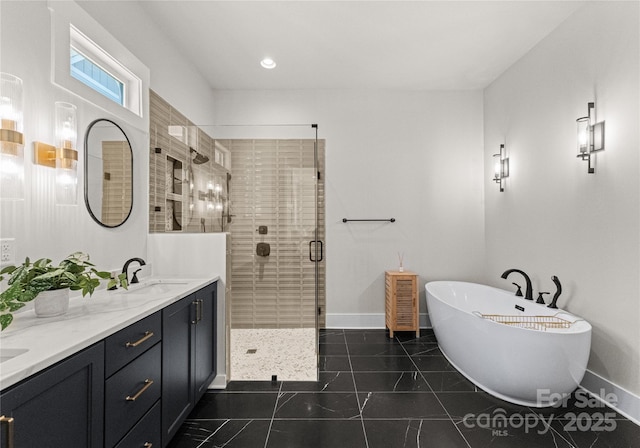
[(520, 365)]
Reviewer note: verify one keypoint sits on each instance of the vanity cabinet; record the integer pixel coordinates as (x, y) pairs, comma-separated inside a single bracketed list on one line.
[(132, 389), (61, 406), (133, 384), (188, 356)]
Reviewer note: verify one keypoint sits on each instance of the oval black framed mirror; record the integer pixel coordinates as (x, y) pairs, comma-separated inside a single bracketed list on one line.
[(108, 167)]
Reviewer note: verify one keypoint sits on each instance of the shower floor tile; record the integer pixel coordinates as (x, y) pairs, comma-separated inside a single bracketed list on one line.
[(377, 392), (258, 354)]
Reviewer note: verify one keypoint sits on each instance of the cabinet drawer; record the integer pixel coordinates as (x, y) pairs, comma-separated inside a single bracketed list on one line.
[(147, 433), (130, 393), (124, 346)]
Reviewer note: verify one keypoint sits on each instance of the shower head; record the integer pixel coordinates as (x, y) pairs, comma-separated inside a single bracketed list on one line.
[(198, 158)]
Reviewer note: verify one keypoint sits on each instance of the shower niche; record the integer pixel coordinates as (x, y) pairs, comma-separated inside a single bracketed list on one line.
[(175, 181)]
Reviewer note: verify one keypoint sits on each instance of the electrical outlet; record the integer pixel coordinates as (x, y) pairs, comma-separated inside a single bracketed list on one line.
[(7, 251)]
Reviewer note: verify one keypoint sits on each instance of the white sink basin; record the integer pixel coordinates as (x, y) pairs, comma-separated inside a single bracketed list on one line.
[(155, 287), (9, 353)]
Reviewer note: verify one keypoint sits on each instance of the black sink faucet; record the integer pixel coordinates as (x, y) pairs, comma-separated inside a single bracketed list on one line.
[(126, 268), (529, 291)]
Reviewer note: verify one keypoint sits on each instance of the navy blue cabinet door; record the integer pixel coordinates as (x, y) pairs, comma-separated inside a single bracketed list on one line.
[(205, 361), (63, 406), (188, 356), (177, 370)]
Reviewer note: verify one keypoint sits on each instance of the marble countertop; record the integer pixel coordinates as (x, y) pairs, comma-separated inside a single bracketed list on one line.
[(42, 342)]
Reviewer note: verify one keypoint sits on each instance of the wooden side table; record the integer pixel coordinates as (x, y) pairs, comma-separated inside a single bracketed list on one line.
[(401, 302)]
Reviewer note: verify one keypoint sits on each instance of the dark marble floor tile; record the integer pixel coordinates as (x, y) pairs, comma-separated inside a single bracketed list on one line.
[(422, 349), (598, 430), (474, 405), (382, 364), (376, 350), (368, 337), (235, 405), (331, 337), (334, 363), (433, 363), (413, 433), (217, 433), (426, 336), (328, 382), (449, 382), (539, 436), (317, 405), (333, 349), (390, 382), (253, 386), (316, 434), (403, 405)]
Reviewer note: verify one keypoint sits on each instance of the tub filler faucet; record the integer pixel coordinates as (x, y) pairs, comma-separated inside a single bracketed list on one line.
[(557, 294), (529, 290)]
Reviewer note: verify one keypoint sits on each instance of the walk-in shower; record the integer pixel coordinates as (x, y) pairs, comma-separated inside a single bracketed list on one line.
[(276, 222)]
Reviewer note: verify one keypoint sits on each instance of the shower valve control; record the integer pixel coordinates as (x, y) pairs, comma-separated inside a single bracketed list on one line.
[(263, 230)]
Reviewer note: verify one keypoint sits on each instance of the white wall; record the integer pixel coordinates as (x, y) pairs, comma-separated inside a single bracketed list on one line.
[(554, 218), (414, 156), (40, 228), (173, 77)]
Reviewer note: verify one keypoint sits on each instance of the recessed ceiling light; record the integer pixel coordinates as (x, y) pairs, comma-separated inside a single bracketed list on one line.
[(268, 63)]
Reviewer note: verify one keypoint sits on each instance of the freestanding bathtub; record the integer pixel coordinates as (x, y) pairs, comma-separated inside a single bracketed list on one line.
[(525, 364)]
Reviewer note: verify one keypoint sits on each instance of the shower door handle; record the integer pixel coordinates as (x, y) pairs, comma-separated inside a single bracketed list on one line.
[(311, 253)]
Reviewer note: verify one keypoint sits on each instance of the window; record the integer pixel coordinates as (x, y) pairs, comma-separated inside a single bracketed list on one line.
[(91, 74), (94, 67), (91, 63)]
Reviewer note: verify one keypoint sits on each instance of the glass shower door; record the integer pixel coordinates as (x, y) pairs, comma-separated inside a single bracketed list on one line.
[(276, 214)]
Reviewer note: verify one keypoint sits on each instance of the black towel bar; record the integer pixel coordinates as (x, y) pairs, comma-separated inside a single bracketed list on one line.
[(386, 220)]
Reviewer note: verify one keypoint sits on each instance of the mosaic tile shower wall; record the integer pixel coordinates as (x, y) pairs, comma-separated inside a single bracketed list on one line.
[(273, 187)]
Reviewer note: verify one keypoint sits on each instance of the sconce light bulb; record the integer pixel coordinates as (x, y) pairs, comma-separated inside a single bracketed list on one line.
[(210, 186), (218, 206), (67, 132), (583, 138), (6, 111), (67, 178), (9, 167)]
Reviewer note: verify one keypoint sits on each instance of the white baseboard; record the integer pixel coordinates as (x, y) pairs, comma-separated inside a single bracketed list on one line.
[(365, 321), (628, 403)]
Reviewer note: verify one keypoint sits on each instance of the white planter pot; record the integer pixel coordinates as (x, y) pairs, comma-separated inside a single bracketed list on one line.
[(52, 303)]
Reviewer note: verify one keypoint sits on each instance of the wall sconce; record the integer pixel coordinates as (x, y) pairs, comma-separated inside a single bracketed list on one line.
[(63, 156), (501, 167), (590, 136), (11, 138)]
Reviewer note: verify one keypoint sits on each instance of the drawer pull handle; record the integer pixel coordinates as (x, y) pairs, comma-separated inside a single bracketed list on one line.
[(147, 335), (147, 445), (147, 385), (9, 433)]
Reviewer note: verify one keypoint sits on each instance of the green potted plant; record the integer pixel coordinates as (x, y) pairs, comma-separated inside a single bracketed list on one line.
[(39, 279)]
